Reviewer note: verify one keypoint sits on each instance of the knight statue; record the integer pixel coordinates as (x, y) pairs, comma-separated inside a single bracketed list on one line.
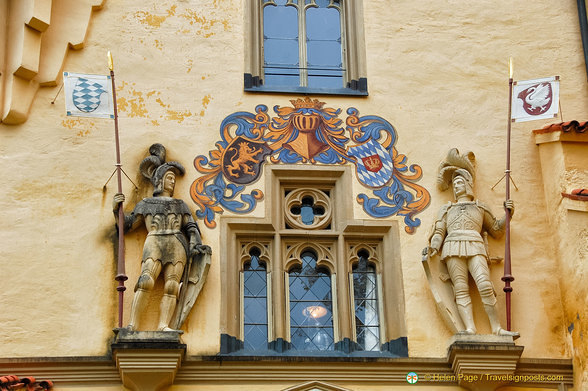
[(173, 244), (459, 241)]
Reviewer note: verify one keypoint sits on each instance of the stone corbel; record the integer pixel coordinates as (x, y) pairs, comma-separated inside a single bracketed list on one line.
[(483, 362), (148, 360)]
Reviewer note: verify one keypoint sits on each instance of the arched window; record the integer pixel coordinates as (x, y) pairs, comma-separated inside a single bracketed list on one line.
[(308, 46), (302, 43), (255, 320), (313, 280), (365, 294), (311, 306)]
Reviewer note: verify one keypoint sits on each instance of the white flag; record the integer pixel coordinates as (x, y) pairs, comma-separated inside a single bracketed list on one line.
[(535, 99), (88, 95)]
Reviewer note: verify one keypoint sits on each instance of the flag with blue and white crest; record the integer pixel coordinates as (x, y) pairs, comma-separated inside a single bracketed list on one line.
[(88, 95)]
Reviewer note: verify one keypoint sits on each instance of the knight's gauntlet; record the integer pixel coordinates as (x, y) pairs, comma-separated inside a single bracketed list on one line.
[(438, 235), (436, 241)]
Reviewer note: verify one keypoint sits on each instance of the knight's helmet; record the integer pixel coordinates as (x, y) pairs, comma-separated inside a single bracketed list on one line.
[(154, 167), (454, 165)]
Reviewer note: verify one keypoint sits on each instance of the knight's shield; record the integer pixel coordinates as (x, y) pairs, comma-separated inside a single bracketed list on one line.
[(243, 158), (86, 95), (442, 290), (373, 163)]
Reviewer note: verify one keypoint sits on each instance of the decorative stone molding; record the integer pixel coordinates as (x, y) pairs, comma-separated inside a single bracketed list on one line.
[(295, 200), (483, 362), (37, 35), (148, 360), (216, 370)]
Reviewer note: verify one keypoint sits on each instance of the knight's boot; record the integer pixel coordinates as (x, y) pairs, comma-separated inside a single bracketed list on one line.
[(139, 302), (495, 323), (166, 311), (467, 316)]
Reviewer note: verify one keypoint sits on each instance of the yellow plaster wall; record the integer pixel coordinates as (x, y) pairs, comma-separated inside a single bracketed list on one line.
[(437, 72)]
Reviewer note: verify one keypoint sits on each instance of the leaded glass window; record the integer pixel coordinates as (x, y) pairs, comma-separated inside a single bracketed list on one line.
[(365, 292), (311, 306), (255, 303), (303, 43)]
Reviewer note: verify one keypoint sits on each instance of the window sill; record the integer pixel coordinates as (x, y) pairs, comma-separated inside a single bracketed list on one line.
[(306, 90), (252, 84), (232, 347)]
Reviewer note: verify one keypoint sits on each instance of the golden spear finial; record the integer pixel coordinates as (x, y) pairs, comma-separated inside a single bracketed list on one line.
[(110, 63), (510, 68)]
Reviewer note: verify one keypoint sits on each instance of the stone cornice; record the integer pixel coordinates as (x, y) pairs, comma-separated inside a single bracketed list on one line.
[(64, 370), (264, 370)]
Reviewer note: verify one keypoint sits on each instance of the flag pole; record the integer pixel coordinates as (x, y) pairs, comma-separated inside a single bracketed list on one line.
[(508, 278), (121, 277)]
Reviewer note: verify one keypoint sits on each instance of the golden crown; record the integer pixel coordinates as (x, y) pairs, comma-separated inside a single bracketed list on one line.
[(307, 103), (372, 162)]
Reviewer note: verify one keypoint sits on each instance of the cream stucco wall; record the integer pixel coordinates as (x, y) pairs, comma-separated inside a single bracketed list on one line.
[(436, 71)]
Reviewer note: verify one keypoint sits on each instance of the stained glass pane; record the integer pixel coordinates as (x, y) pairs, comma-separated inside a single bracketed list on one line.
[(255, 303), (367, 322), (311, 307)]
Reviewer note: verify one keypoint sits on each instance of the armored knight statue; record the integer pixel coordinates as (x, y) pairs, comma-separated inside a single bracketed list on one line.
[(173, 244), (459, 240)]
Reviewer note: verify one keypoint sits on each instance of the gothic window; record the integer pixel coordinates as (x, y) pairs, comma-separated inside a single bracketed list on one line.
[(365, 295), (313, 279), (311, 306), (305, 46), (302, 43), (255, 302)]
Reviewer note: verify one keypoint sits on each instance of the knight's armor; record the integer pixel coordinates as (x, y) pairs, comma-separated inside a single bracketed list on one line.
[(460, 224), (168, 221)]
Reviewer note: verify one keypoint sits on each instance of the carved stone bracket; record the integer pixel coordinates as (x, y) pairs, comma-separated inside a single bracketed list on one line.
[(148, 360), (483, 362)]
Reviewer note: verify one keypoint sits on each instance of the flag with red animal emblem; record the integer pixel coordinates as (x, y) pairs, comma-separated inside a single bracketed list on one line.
[(535, 99)]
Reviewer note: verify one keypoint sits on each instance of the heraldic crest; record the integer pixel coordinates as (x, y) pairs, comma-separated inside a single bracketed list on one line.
[(307, 133)]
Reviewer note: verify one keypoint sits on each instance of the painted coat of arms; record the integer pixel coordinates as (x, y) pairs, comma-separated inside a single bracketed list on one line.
[(307, 133)]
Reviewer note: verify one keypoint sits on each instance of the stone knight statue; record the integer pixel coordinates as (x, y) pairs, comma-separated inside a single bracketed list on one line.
[(459, 239), (173, 244)]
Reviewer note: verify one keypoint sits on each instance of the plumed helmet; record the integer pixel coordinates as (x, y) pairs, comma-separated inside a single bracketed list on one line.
[(456, 164), (469, 181), (154, 166)]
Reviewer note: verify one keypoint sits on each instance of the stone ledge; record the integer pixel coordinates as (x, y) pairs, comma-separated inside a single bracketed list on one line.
[(483, 362), (91, 372), (148, 360), (579, 205)]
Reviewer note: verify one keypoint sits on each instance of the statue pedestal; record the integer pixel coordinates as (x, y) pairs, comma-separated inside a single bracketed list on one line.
[(483, 362), (147, 360)]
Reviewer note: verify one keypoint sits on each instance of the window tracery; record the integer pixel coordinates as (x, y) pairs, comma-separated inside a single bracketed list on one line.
[(325, 272)]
